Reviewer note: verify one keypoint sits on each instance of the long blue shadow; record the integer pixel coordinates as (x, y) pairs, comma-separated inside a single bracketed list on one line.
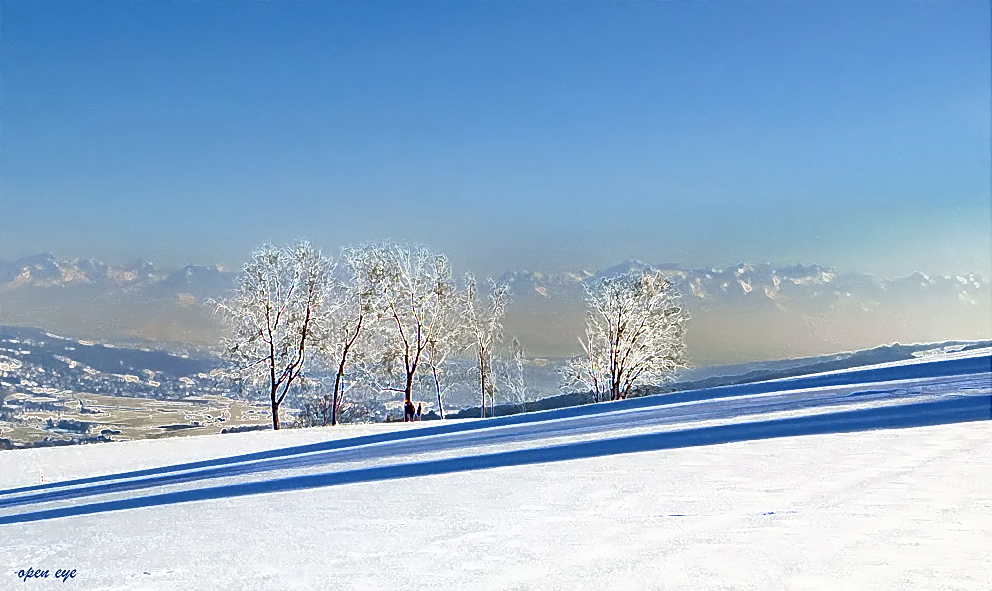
[(965, 409), (663, 415), (940, 368)]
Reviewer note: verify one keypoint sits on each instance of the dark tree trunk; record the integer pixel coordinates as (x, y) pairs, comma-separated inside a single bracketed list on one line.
[(339, 379), (337, 385), (408, 390)]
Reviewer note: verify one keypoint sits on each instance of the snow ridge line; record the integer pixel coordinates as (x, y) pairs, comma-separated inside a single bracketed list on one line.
[(954, 410), (656, 417), (924, 368)]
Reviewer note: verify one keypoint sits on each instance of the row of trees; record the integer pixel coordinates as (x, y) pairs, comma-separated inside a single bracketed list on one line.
[(384, 317), (381, 317)]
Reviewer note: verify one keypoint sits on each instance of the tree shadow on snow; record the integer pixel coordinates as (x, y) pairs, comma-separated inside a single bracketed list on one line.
[(929, 369), (953, 410)]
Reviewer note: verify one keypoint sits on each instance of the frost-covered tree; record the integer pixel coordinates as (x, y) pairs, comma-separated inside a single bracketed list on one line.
[(635, 335), (446, 342), (417, 298), (361, 406), (274, 318), (484, 322), (511, 377), (351, 310), (314, 412)]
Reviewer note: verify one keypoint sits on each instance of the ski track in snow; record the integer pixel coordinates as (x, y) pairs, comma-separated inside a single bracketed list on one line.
[(952, 388)]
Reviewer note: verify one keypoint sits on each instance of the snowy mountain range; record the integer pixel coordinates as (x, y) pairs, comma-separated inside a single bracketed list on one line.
[(750, 311), (753, 282), (757, 311), (764, 283), (46, 271), (129, 303)]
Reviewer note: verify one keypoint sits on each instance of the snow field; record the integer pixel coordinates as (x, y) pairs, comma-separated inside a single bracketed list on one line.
[(879, 509), (780, 498)]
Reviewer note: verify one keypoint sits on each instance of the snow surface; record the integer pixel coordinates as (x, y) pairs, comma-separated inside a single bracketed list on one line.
[(876, 477)]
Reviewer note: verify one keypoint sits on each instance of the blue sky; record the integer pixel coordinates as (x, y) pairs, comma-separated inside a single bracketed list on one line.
[(507, 134)]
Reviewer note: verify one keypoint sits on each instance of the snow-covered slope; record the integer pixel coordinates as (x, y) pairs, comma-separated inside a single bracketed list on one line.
[(871, 476)]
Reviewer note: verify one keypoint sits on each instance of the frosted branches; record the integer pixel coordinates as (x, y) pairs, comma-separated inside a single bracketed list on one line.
[(387, 318), (484, 324), (275, 318), (635, 329)]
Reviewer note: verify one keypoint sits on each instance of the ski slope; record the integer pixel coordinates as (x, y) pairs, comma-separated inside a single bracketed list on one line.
[(871, 476)]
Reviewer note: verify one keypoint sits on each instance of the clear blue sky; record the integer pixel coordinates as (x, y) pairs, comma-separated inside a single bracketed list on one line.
[(510, 135)]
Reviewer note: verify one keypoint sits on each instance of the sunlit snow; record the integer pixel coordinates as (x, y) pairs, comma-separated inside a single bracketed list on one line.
[(874, 477)]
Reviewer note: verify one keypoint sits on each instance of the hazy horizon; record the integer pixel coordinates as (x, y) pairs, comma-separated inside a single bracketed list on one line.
[(169, 266), (528, 135)]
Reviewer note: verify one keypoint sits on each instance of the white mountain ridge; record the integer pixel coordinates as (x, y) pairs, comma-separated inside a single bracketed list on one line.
[(743, 280), (749, 311)]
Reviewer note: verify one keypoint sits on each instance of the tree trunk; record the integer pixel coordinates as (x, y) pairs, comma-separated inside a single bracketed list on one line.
[(337, 384), (482, 379), (275, 415), (437, 387), (334, 401)]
